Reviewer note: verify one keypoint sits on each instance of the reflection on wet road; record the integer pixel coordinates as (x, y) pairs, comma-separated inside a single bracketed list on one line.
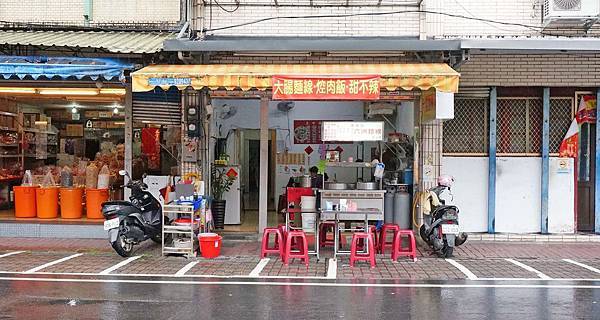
[(260, 300)]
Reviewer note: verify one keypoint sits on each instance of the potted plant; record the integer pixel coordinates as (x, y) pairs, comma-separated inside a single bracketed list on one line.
[(221, 182)]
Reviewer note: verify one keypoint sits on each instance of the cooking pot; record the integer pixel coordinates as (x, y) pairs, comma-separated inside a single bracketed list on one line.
[(366, 185), (304, 181), (335, 186)]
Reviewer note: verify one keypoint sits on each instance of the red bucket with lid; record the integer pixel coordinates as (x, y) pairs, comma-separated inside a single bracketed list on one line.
[(210, 245)]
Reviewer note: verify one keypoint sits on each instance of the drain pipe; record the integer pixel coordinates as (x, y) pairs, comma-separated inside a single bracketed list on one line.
[(88, 11)]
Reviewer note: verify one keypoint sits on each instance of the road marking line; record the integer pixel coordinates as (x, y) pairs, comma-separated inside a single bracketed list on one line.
[(10, 254), (470, 275), (259, 267), (528, 268), (582, 265), (308, 284), (186, 268), (119, 265), (49, 264), (332, 268)]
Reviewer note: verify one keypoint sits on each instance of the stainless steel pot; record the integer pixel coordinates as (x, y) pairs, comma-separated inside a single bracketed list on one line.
[(366, 186), (304, 181), (335, 186), (351, 186)]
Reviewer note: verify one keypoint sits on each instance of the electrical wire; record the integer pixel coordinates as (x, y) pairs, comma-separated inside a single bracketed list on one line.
[(516, 24), (237, 6)]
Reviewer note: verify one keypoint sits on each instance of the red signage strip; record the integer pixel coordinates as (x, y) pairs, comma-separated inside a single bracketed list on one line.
[(326, 88)]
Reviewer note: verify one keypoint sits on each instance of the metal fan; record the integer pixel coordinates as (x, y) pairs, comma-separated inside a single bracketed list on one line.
[(567, 4)]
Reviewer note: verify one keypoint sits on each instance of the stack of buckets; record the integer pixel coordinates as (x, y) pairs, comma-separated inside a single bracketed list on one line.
[(43, 202), (308, 203)]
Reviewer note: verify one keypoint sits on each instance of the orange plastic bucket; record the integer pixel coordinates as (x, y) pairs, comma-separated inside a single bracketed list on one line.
[(93, 202), (71, 203), (210, 245), (47, 202), (25, 201)]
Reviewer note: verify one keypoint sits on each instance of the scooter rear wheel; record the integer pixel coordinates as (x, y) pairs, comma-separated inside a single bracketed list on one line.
[(122, 247)]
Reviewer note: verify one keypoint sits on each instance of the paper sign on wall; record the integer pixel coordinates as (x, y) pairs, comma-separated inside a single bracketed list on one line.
[(352, 131), (436, 105)]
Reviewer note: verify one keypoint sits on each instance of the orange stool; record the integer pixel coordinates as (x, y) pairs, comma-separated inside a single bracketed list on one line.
[(71, 203), (398, 250), (370, 255), (383, 243), (25, 201), (278, 248), (300, 238), (93, 202), (47, 202)]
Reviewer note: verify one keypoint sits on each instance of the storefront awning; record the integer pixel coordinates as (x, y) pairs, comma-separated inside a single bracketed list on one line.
[(259, 76), (61, 67)]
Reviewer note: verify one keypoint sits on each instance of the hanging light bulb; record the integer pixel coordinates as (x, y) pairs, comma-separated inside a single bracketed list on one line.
[(116, 110), (74, 109)]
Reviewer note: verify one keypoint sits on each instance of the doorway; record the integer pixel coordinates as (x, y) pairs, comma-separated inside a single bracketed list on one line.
[(586, 178), (249, 144)]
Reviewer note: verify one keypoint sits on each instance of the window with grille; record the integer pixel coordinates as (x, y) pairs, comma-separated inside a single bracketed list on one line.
[(561, 116), (467, 133)]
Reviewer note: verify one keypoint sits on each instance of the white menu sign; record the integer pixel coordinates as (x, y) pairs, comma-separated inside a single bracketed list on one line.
[(352, 131)]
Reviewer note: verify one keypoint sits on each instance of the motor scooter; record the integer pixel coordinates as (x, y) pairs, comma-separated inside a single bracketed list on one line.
[(131, 222)]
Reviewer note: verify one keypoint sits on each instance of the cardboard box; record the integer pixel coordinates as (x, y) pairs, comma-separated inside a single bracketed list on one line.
[(75, 130), (91, 114)]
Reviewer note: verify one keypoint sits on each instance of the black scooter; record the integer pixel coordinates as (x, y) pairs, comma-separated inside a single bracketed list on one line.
[(441, 231), (131, 222)]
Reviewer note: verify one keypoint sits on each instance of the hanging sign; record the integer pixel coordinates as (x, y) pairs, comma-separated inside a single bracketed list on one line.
[(352, 131), (326, 88), (89, 124), (586, 113), (437, 105)]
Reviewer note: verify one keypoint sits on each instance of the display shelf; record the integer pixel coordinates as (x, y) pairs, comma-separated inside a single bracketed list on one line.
[(11, 179), (9, 145), (349, 164), (195, 212), (10, 155), (8, 129), (8, 114)]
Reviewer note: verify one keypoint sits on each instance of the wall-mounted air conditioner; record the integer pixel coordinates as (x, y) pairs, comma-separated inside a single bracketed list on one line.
[(571, 9)]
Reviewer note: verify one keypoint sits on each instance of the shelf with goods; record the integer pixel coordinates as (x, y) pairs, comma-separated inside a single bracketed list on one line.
[(188, 220)]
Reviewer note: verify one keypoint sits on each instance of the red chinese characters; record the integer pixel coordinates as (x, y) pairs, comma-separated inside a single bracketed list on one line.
[(326, 88)]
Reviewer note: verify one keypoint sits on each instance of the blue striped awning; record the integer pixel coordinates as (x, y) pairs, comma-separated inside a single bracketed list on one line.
[(35, 67)]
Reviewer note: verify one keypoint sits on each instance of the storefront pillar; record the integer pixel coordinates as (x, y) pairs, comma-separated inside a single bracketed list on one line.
[(492, 162), (264, 164), (597, 178), (545, 160), (128, 133)]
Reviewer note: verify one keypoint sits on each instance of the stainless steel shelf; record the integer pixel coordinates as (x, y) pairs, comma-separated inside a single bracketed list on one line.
[(349, 164)]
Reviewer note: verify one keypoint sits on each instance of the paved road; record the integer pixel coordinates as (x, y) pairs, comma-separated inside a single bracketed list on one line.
[(147, 299)]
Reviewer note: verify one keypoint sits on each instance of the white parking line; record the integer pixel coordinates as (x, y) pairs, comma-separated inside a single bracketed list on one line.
[(528, 268), (119, 265), (10, 254), (582, 265), (49, 264), (259, 267), (470, 275), (332, 269), (186, 268)]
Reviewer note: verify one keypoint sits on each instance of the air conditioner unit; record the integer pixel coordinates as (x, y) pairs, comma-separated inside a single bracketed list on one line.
[(571, 9)]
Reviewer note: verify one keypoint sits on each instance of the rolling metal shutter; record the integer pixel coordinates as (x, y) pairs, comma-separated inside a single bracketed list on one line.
[(157, 107)]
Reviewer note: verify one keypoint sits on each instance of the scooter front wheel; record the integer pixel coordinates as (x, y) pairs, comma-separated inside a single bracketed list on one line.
[(123, 247)]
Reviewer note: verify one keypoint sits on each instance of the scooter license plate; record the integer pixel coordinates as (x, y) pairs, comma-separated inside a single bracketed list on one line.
[(450, 229), (111, 224)]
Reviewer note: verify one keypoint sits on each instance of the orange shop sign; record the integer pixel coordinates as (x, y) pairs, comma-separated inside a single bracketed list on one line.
[(326, 88)]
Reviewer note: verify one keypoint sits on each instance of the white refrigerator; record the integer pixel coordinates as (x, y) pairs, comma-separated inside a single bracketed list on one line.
[(233, 198)]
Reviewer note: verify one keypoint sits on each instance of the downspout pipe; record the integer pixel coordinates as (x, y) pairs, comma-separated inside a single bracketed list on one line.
[(88, 12)]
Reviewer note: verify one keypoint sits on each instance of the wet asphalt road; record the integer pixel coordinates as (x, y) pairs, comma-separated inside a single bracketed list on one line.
[(109, 300)]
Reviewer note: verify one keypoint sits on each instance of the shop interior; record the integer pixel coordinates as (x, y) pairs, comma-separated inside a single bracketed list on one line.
[(295, 146), (74, 138)]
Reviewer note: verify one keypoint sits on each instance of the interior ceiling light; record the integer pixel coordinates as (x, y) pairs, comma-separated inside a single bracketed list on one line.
[(115, 91), (68, 92), (116, 110), (16, 90), (74, 109)]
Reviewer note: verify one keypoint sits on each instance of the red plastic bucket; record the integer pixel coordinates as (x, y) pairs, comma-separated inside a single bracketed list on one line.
[(210, 245)]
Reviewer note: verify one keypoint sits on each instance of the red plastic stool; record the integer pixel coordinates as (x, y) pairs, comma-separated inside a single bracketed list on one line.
[(283, 231), (383, 243), (355, 255), (277, 248), (398, 250), (323, 229), (361, 242), (300, 238)]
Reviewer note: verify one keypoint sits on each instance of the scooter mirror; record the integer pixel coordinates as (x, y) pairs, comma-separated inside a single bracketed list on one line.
[(122, 172)]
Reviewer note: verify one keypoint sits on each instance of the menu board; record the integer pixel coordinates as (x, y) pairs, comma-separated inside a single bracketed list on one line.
[(307, 131), (352, 131)]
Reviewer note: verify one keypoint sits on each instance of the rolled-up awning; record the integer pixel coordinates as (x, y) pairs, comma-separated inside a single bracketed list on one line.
[(259, 76)]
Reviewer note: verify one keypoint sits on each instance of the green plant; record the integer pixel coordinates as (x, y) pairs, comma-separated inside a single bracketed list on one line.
[(220, 182)]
